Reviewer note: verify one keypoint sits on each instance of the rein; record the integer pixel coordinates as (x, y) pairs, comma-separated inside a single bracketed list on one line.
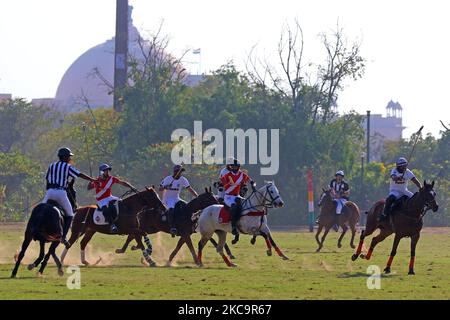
[(266, 202)]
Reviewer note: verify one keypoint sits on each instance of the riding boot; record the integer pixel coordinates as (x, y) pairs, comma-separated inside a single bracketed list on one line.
[(387, 209), (112, 218), (234, 211), (66, 227), (171, 216)]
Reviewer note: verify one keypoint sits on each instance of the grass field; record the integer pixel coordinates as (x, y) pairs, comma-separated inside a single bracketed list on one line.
[(308, 275)]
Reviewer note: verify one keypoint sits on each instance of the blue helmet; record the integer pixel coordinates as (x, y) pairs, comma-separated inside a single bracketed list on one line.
[(104, 167), (401, 162)]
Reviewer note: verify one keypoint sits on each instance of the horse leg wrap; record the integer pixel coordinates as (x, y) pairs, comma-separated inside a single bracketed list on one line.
[(279, 252), (389, 263), (359, 249), (149, 245), (411, 263), (369, 254)]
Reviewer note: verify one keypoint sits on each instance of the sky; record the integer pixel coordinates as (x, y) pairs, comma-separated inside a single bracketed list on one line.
[(405, 43)]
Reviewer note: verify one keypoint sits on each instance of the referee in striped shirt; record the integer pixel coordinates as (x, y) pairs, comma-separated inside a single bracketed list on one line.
[(57, 177)]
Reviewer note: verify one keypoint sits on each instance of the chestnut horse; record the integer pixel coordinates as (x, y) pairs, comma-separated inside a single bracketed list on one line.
[(406, 221), (127, 223), (153, 222), (327, 219)]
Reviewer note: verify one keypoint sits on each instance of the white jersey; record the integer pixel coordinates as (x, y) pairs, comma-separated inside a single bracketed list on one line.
[(172, 189), (400, 186)]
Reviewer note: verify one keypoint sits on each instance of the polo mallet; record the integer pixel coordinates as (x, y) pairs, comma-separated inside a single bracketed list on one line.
[(414, 147), (87, 148), (415, 143)]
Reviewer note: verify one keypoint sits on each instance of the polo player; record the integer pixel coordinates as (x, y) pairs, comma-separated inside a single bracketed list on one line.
[(398, 187), (171, 186), (232, 181), (57, 177), (103, 194)]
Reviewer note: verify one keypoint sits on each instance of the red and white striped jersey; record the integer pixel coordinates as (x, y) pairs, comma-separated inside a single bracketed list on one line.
[(103, 187), (232, 182)]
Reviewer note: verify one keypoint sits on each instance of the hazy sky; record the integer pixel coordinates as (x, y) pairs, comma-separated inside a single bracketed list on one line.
[(406, 43)]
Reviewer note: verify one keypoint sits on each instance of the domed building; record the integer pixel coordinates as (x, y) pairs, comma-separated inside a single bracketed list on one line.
[(82, 80)]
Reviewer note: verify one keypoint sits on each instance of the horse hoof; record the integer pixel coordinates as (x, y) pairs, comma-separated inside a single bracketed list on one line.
[(253, 241), (285, 258), (387, 270), (134, 248), (411, 273), (339, 245), (232, 257), (352, 246), (362, 256), (85, 263), (200, 265), (61, 273), (318, 250), (119, 251), (39, 275), (232, 265), (31, 267), (269, 253), (354, 257), (13, 276), (152, 264)]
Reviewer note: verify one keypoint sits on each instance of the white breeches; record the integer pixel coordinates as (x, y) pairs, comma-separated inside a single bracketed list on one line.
[(171, 202), (106, 201), (60, 196), (229, 200), (340, 204), (398, 194)]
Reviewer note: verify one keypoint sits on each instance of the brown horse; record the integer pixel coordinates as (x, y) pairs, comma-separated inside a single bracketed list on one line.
[(327, 219), (152, 222), (404, 222), (127, 223), (45, 225)]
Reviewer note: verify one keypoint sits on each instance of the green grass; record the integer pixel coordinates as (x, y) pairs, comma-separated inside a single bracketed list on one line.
[(308, 275)]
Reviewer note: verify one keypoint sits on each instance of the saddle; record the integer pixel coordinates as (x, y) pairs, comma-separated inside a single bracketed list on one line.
[(400, 204), (225, 215), (102, 217)]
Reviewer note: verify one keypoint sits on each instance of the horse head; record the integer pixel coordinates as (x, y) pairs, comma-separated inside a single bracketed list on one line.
[(271, 195), (203, 201), (152, 199), (429, 195), (326, 197)]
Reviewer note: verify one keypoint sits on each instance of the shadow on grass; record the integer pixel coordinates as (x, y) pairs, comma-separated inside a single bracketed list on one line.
[(348, 275)]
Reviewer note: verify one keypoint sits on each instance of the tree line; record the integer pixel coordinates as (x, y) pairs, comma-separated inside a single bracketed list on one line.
[(296, 96)]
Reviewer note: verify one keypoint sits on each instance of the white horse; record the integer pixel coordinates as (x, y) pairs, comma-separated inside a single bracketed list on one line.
[(253, 220)]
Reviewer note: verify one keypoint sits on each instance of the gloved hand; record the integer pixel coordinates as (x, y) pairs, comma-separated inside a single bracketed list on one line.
[(253, 185)]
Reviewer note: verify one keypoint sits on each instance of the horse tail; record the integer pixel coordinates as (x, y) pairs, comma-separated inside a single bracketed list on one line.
[(355, 212)]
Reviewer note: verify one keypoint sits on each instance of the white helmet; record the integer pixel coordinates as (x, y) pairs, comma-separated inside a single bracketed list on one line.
[(340, 173)]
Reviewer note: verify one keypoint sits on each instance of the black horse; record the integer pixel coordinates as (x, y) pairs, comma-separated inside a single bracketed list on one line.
[(45, 225)]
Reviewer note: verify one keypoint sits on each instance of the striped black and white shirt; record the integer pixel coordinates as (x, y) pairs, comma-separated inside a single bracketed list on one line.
[(58, 174), (339, 188)]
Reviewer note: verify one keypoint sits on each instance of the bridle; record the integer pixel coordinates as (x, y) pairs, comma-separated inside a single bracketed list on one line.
[(266, 203)]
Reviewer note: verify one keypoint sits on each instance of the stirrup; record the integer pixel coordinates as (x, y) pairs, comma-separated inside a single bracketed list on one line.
[(173, 232), (114, 229)]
